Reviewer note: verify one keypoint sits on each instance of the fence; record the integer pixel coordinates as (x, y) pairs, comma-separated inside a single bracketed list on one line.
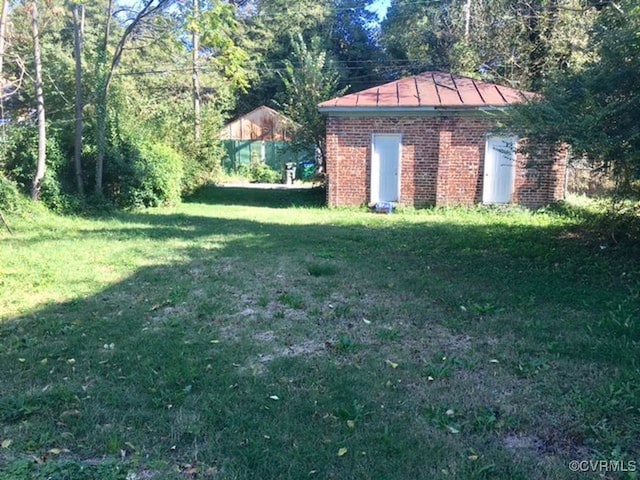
[(275, 154)]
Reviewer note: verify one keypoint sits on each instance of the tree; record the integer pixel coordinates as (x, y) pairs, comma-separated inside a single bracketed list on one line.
[(596, 110), (106, 70), (78, 30), (308, 80), (418, 35), (344, 29), (522, 43), (42, 132), (8, 87), (196, 71)]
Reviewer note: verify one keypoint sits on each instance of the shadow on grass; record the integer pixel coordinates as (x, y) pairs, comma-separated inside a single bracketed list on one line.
[(139, 367), (607, 225), (260, 197)]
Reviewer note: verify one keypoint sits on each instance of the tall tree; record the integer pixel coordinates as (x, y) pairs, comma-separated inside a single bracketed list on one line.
[(418, 35), (523, 43), (214, 30), (78, 29), (196, 71), (3, 35), (309, 78), (106, 70), (345, 29), (42, 127), (596, 110), (8, 86)]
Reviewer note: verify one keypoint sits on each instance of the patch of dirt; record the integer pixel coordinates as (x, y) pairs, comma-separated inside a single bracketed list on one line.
[(198, 293), (266, 337), (225, 265), (455, 343), (305, 348), (545, 449), (523, 442), (165, 313), (248, 312)]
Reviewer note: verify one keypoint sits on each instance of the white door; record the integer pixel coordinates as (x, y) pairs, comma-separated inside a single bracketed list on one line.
[(499, 169), (385, 167)]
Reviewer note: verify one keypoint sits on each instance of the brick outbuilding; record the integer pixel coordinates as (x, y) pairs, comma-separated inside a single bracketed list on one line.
[(433, 139)]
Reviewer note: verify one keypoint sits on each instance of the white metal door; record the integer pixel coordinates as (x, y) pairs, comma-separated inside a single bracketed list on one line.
[(385, 167), (499, 169)]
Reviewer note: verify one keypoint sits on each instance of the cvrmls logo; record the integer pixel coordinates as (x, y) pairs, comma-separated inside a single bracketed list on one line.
[(603, 466)]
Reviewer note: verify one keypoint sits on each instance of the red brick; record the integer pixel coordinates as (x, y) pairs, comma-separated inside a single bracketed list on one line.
[(442, 162)]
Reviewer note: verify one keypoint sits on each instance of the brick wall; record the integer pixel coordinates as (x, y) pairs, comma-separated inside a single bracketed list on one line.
[(442, 162), (540, 177)]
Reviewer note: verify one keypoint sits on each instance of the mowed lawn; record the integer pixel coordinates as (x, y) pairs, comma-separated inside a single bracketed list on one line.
[(255, 335)]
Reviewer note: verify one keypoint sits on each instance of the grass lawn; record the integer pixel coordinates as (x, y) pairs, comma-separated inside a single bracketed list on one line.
[(259, 336)]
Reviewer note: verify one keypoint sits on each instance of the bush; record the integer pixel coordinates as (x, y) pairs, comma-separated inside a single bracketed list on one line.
[(9, 195), (202, 166), (148, 176), (19, 165), (262, 173)]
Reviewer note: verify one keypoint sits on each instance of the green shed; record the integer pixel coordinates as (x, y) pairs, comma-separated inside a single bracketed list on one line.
[(261, 135)]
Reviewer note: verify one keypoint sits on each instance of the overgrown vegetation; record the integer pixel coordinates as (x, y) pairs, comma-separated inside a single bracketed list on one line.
[(255, 335), (260, 172), (595, 109)]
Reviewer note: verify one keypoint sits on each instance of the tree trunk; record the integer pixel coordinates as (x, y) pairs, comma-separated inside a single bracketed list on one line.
[(467, 19), (101, 103), (196, 73), (78, 27), (3, 34), (5, 223), (42, 131)]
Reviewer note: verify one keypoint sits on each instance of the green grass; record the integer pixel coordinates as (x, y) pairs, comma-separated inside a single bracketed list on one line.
[(257, 335)]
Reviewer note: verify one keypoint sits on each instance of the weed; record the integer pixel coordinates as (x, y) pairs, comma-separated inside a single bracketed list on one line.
[(440, 366), (532, 367), (388, 335), (345, 344), (444, 418), (342, 311), (487, 420), (263, 301), (321, 269), (291, 300)]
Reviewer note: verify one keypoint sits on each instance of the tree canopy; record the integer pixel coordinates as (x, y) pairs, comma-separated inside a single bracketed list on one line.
[(596, 109)]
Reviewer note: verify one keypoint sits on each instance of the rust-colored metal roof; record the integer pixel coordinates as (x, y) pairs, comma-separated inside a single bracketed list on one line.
[(430, 90), (263, 123)]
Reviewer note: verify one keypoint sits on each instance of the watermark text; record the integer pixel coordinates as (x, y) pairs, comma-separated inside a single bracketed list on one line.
[(603, 466)]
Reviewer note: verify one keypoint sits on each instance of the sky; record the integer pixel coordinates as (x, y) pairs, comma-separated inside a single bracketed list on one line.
[(380, 7)]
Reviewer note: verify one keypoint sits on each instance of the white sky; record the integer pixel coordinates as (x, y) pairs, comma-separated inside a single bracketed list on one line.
[(380, 7)]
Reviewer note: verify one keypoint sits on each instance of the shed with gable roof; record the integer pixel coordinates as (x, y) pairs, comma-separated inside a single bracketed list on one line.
[(433, 139), (264, 136)]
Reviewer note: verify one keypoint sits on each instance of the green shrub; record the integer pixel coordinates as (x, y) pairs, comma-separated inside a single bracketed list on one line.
[(9, 195), (148, 176), (20, 159), (202, 166), (260, 172)]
